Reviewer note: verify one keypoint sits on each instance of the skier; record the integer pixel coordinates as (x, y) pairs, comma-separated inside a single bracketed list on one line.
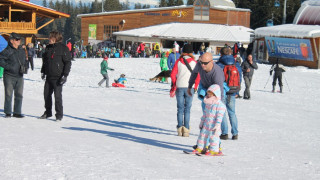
[(210, 124), (278, 70), (104, 71)]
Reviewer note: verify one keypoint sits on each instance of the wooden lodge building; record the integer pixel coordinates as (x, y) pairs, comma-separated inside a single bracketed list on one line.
[(23, 17), (97, 27), (296, 44)]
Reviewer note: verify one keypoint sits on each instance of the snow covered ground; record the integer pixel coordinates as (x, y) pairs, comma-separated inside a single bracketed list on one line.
[(130, 133)]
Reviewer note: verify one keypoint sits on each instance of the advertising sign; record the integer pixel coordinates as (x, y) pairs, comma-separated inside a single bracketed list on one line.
[(289, 48), (92, 31)]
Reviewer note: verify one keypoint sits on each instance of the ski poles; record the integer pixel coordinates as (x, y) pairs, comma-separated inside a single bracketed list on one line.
[(267, 82), (286, 82)]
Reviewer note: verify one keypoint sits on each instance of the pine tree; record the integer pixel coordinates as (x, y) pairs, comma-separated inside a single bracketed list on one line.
[(112, 5), (146, 6), (190, 2), (137, 6), (179, 2), (163, 3), (44, 3), (126, 5), (171, 3)]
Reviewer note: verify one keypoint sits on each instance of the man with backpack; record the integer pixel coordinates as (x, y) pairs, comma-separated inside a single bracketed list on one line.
[(210, 74), (232, 73)]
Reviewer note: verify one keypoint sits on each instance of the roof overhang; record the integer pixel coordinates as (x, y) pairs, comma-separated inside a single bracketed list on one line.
[(192, 32), (39, 9), (289, 30)]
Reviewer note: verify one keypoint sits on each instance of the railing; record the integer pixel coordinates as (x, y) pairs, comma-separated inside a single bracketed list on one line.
[(18, 25)]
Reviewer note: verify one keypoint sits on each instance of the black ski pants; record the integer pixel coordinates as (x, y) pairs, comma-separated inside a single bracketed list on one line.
[(53, 86), (277, 75), (30, 60)]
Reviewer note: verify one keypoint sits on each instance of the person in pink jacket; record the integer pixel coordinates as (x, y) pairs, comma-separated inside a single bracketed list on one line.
[(180, 76), (210, 124)]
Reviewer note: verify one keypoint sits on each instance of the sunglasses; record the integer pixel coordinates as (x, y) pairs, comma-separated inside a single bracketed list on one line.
[(204, 63)]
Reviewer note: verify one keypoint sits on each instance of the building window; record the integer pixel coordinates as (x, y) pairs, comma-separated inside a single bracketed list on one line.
[(108, 30), (201, 10)]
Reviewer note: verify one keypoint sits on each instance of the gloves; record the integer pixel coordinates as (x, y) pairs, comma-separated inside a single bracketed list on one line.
[(43, 76), (111, 69), (270, 73), (173, 91), (216, 128), (201, 125), (63, 80)]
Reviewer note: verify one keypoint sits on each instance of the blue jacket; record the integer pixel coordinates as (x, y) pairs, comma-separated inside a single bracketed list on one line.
[(122, 80), (3, 43), (229, 60), (171, 60)]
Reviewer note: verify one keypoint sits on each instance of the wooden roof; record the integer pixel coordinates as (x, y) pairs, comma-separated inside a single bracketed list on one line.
[(39, 9)]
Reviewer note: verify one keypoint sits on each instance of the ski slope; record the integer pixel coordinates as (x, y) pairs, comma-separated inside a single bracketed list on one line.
[(130, 133)]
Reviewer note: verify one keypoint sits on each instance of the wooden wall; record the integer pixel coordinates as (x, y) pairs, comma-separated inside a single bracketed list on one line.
[(149, 18)]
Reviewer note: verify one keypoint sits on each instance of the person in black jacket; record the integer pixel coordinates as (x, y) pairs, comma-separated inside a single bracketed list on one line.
[(56, 65), (248, 68), (13, 60), (278, 70)]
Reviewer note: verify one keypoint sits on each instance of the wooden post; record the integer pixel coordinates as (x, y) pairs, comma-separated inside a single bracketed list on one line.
[(28, 40), (10, 13)]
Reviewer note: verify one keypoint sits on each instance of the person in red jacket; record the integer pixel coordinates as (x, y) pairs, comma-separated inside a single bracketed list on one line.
[(141, 49), (180, 75)]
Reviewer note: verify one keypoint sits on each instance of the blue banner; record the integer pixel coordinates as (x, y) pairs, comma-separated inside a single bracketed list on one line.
[(289, 48)]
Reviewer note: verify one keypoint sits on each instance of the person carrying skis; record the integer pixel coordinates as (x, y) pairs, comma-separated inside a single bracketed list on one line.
[(210, 124), (104, 71), (278, 70)]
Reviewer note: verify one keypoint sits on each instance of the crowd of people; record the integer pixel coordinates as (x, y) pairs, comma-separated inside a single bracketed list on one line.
[(217, 83), (137, 50)]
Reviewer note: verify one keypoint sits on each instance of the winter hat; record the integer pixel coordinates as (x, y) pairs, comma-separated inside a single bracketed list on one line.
[(15, 36), (105, 57), (122, 75), (187, 48)]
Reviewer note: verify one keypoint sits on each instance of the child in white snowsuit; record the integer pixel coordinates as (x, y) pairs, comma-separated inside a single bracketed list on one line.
[(210, 124)]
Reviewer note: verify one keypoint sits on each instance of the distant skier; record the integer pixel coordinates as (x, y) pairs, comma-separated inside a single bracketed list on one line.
[(278, 70)]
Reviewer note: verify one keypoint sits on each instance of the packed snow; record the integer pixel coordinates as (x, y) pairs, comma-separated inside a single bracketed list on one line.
[(130, 133)]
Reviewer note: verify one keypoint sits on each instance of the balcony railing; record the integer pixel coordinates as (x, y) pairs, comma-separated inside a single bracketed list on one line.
[(18, 25)]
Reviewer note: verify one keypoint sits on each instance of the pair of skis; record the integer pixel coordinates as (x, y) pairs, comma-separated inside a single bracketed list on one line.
[(199, 154)]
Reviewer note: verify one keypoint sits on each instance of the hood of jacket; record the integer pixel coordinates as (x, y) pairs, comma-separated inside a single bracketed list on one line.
[(215, 88), (227, 60)]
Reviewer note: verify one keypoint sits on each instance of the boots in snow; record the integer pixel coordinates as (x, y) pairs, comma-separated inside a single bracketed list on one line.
[(273, 88), (185, 132), (281, 89), (179, 130), (213, 153)]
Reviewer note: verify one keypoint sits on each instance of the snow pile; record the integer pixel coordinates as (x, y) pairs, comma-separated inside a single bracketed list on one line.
[(130, 133)]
